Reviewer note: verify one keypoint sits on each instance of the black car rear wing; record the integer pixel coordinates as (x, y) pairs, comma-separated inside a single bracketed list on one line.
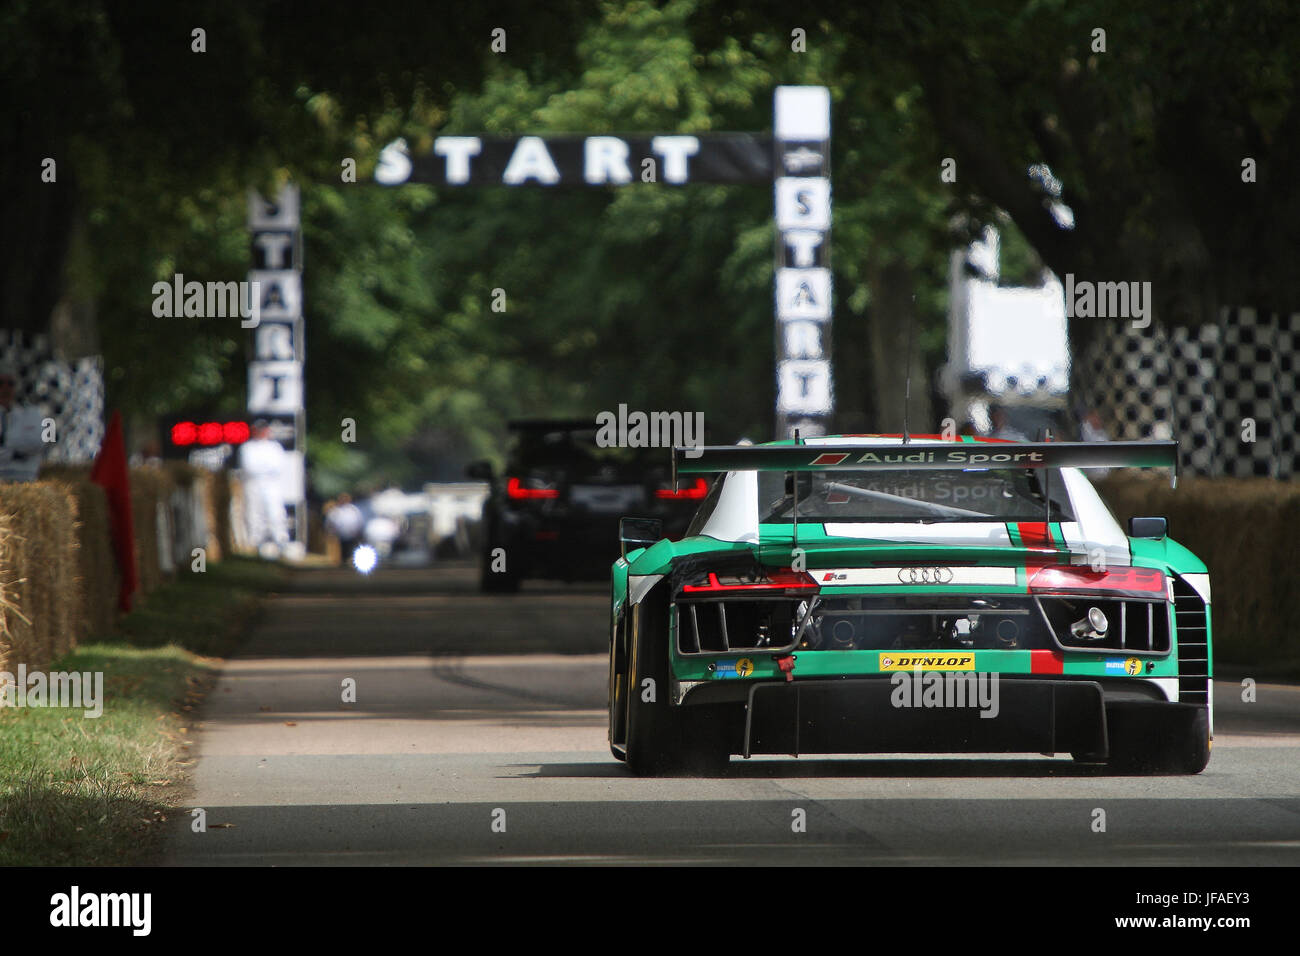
[(949, 456)]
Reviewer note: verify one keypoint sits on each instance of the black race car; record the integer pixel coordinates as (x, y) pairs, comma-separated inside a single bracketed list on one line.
[(555, 511)]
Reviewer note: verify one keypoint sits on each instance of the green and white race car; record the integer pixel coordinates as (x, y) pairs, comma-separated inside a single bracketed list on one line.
[(870, 594)]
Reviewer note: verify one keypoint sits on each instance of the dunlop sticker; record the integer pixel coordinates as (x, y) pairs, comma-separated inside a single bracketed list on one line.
[(927, 660)]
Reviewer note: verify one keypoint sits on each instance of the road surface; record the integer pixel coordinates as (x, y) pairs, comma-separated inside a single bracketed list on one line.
[(477, 736)]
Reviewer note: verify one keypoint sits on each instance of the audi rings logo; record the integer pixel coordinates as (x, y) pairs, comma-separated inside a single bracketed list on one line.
[(925, 575)]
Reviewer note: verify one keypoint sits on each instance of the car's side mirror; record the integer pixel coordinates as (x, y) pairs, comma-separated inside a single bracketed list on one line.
[(636, 533), (1147, 527), (479, 470)]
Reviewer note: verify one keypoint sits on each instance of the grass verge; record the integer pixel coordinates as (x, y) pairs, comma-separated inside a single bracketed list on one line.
[(91, 791)]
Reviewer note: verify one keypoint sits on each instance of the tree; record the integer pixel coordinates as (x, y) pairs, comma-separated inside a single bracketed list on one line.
[(159, 116), (1148, 135)]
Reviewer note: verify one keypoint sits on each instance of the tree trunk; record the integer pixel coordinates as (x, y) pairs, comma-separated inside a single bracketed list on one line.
[(890, 317), (41, 218)]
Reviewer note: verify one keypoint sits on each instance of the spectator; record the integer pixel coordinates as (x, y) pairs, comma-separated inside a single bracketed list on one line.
[(381, 532), (21, 444), (263, 462), (346, 522)]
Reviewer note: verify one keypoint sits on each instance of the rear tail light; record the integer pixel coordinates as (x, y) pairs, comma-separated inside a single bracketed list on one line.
[(1137, 582), (784, 579), (515, 489), (694, 491)]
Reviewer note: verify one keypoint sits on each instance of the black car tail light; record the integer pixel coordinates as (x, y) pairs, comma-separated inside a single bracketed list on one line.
[(534, 490), (698, 489)]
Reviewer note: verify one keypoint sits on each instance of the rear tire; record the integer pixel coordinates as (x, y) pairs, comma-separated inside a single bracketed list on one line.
[(618, 678), (664, 739)]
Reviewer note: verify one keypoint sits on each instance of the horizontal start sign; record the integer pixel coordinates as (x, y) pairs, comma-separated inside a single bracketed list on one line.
[(580, 160)]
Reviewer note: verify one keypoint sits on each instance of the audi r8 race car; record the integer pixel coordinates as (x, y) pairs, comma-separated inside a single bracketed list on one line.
[(867, 594)]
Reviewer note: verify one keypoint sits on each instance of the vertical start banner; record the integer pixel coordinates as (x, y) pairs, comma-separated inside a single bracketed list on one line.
[(801, 143), (278, 349)]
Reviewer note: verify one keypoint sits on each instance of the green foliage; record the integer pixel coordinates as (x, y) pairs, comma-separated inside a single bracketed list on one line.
[(1018, 263), (648, 294), (652, 295), (596, 282)]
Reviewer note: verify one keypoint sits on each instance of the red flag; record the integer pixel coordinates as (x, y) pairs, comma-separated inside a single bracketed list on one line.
[(110, 473)]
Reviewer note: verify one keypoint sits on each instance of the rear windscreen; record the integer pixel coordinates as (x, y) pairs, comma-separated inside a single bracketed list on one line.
[(971, 495), (573, 454)]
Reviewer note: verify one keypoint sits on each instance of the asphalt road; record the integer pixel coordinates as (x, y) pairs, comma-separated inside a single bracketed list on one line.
[(477, 736)]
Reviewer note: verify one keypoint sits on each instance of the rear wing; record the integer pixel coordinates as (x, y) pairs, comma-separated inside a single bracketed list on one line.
[(950, 456)]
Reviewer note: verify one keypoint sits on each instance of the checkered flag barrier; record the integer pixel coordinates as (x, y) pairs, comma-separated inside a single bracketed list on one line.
[(1199, 385), (70, 392)]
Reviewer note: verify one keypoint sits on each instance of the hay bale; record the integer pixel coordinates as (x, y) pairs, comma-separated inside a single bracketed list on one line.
[(59, 578), (97, 570), (40, 594), (1246, 531), (99, 577), (151, 487)]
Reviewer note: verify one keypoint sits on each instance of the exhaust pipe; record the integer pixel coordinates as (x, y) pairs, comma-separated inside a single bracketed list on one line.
[(1007, 632), (1092, 627)]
